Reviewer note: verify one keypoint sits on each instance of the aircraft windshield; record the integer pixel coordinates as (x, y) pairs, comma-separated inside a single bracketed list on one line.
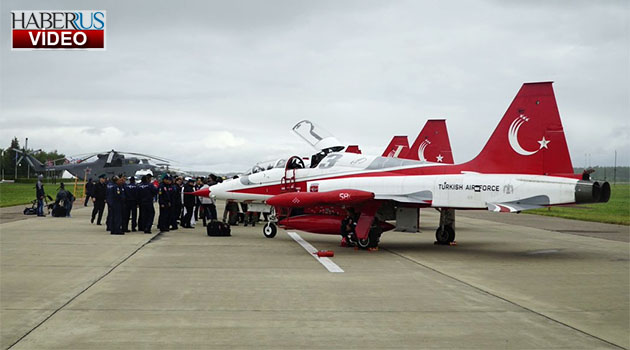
[(315, 136)]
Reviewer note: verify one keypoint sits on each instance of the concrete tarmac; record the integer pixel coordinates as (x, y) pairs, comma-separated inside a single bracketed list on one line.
[(66, 284)]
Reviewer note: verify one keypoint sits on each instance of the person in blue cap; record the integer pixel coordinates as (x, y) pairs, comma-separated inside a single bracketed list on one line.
[(116, 200), (130, 211), (146, 193)]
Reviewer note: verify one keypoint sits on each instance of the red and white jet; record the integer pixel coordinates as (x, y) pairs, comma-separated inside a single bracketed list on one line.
[(524, 165)]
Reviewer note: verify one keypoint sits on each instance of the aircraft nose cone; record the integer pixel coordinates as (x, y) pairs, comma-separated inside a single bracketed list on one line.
[(204, 192)]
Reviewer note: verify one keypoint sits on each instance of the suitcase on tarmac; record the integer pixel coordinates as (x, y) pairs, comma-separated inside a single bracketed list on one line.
[(218, 229)]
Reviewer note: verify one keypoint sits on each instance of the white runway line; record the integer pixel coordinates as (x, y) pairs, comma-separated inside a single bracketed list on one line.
[(329, 264)]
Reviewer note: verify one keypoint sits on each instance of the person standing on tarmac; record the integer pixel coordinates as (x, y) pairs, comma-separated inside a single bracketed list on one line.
[(189, 203), (198, 185), (109, 196), (117, 199), (98, 198), (208, 207), (131, 205), (164, 199), (89, 191), (40, 194), (146, 193), (176, 203)]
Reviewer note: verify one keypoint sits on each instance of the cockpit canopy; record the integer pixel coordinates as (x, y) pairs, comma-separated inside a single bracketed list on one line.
[(267, 165), (315, 135)]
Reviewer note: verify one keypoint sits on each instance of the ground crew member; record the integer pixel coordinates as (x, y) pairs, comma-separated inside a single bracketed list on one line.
[(348, 226), (146, 193), (40, 194), (189, 203), (164, 199), (176, 202), (117, 200), (131, 205), (98, 198)]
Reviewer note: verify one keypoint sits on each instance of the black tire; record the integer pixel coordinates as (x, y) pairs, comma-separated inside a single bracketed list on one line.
[(445, 234), (373, 238), (270, 230)]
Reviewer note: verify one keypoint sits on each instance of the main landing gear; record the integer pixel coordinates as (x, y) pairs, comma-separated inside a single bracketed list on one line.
[(373, 238), (445, 234)]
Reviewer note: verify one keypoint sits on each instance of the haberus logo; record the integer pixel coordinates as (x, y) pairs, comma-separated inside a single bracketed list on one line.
[(58, 30)]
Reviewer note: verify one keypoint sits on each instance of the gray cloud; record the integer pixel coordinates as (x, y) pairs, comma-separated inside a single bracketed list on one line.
[(219, 84)]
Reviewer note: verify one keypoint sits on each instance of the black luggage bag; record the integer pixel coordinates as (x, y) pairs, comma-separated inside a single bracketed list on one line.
[(218, 229), (58, 211)]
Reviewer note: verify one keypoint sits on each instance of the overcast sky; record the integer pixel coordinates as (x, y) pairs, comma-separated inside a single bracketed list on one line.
[(218, 85)]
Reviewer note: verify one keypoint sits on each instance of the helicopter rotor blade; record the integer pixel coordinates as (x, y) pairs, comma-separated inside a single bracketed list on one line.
[(161, 159)]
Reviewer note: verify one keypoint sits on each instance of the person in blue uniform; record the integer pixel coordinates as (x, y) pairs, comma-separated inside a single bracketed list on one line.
[(117, 199), (109, 196), (131, 205), (98, 198), (164, 199), (146, 193)]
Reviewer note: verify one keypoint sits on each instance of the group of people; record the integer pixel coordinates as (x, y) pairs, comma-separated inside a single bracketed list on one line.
[(124, 197), (177, 208), (63, 200)]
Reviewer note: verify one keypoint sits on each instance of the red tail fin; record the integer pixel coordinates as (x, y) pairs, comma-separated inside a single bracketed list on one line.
[(353, 149), (432, 144), (397, 146), (529, 139)]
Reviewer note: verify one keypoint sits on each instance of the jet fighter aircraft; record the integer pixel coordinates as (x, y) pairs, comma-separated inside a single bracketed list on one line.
[(524, 165)]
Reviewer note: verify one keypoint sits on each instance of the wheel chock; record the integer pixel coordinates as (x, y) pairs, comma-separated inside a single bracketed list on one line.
[(325, 253)]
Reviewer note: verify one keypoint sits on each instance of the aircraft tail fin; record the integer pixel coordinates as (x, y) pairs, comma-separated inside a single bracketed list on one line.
[(397, 147), (432, 144), (529, 139)]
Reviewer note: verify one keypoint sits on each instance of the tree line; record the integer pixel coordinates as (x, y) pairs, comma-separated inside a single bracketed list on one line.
[(8, 160)]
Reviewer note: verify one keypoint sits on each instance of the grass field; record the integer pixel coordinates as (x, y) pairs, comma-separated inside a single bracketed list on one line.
[(21, 193), (616, 211)]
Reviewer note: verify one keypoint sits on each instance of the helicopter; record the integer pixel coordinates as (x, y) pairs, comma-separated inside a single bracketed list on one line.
[(109, 163)]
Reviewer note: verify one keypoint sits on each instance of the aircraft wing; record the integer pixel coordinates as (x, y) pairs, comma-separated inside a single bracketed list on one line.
[(425, 197), (519, 205)]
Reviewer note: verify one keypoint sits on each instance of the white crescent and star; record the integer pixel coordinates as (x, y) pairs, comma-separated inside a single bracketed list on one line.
[(513, 137), (423, 145)]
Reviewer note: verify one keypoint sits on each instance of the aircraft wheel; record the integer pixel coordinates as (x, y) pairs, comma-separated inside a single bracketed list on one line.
[(270, 229), (445, 234), (364, 243)]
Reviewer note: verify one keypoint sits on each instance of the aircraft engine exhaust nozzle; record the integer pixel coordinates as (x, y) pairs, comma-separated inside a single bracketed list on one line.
[(204, 192), (592, 192)]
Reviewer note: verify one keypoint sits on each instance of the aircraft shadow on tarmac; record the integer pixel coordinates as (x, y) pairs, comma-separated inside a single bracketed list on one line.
[(488, 251)]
